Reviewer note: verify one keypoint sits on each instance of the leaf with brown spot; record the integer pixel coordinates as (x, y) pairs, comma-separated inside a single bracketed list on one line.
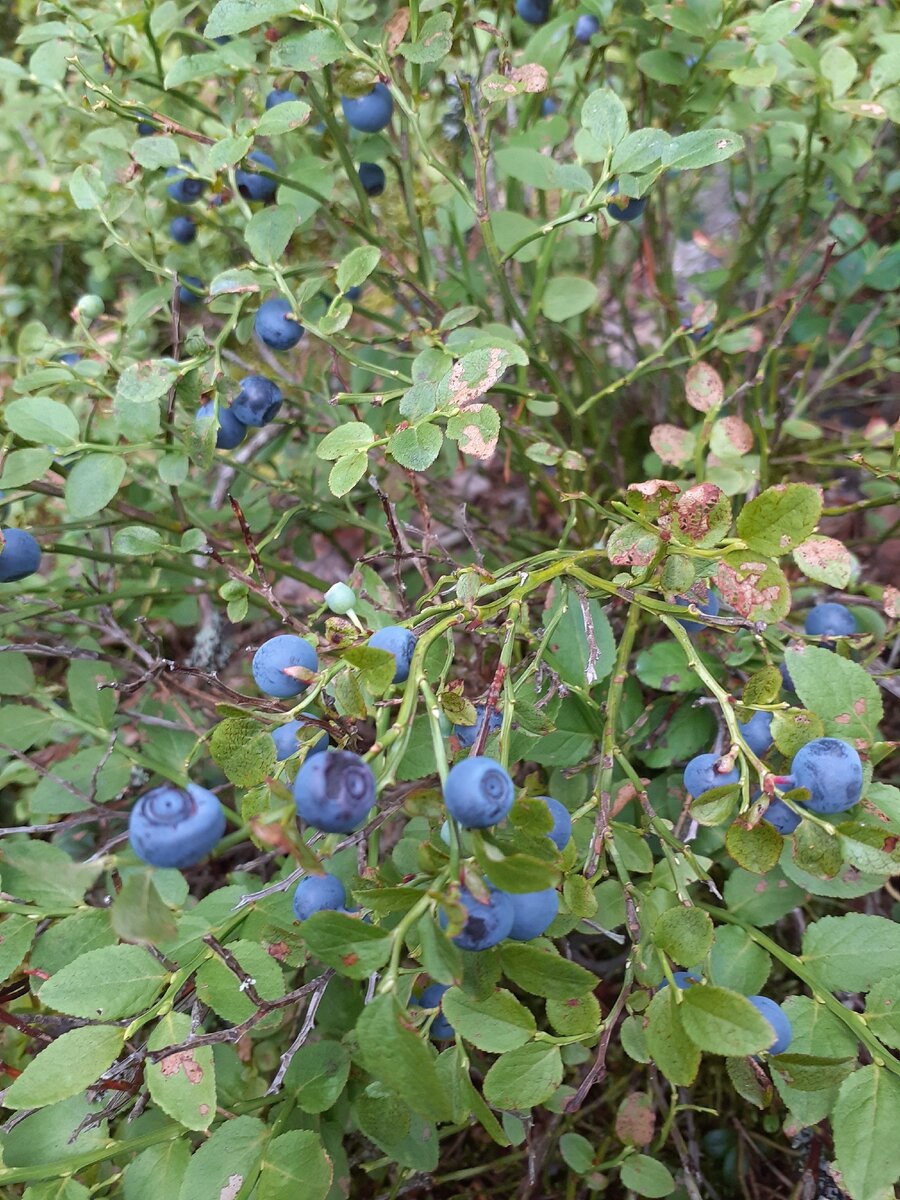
[(652, 498), (824, 559), (183, 1084), (630, 545), (703, 387), (395, 28), (702, 515), (636, 1120), (731, 437), (472, 376), (674, 445), (754, 587)]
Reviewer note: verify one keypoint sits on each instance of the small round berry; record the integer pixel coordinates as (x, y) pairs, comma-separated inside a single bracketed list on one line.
[(397, 641), (251, 184), (340, 599), (709, 606), (20, 555), (533, 913), (585, 28), (371, 112), (184, 189), (334, 791), (624, 208), (441, 1029), (231, 431), (549, 106), (535, 12), (175, 827), (316, 893), (831, 771), (372, 177), (562, 823), (784, 819), (279, 96), (183, 230), (478, 792), (700, 775), (145, 128), (782, 1034), (466, 735), (258, 401), (286, 742), (683, 979), (277, 655), (486, 924), (757, 732), (830, 620), (276, 325), (191, 290)]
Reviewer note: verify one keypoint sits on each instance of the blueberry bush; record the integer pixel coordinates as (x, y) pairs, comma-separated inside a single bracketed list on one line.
[(449, 599)]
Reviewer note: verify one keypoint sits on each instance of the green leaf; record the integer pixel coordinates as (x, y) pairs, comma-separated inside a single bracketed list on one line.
[(16, 674), (816, 1031), (18, 934), (417, 446), (237, 16), (495, 1024), (357, 266), (66, 1067), (243, 749), (569, 653), (537, 170), (646, 1176), (437, 953), (92, 483), (182, 1084), (345, 439), (544, 972), (826, 560), (295, 1164), (138, 913), (268, 231), (690, 151), (883, 1010), (811, 1073), (663, 66), (756, 849), (347, 944), (308, 51), (220, 988), (776, 22), (722, 1022), (566, 296), (393, 1054), (667, 1043), (105, 984), (39, 419), (284, 118), (577, 1152), (137, 541), (157, 1171), (816, 851), (377, 668), (44, 873), (865, 1121), (23, 466), (639, 150), (225, 1161), (154, 153), (838, 690), (685, 934), (754, 586), (517, 873), (317, 1075), (853, 952), (434, 40), (579, 1016), (737, 962), (87, 187), (664, 667), (524, 1077), (780, 518), (603, 115)]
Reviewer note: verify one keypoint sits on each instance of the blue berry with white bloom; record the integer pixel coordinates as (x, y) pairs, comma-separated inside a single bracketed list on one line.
[(276, 325), (533, 913), (318, 893), (397, 641), (478, 792), (171, 826), (278, 654), (334, 791), (782, 1033)]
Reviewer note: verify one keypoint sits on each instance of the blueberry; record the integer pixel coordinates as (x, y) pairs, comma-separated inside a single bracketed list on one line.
[(549, 106), (691, 60), (191, 291), (697, 335), (340, 598), (487, 924), (757, 732), (183, 189), (585, 27), (20, 555), (334, 791), (279, 96), (175, 827), (315, 893), (371, 112), (562, 823), (709, 606), (478, 792), (372, 177), (786, 680), (783, 818), (283, 651), (782, 1033), (145, 128), (286, 743), (353, 294), (276, 324), (831, 772), (183, 230), (399, 642), (223, 40), (700, 774), (535, 12), (431, 997), (258, 401), (683, 979), (70, 358), (830, 620), (231, 431), (467, 734), (533, 912), (624, 209), (251, 184)]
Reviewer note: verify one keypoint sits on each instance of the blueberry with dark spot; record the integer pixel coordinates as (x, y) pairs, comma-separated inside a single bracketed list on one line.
[(334, 791), (487, 924)]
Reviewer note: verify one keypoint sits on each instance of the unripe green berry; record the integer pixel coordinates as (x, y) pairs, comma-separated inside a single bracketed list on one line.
[(195, 343), (340, 598), (90, 306)]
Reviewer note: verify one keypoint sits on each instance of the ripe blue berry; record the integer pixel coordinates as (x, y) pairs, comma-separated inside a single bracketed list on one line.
[(183, 189), (183, 230), (258, 401), (315, 893), (830, 620), (353, 293), (276, 324), (20, 555), (371, 112), (231, 431), (535, 12), (487, 924), (624, 209), (786, 682), (334, 791), (562, 823), (683, 979), (533, 913), (279, 96), (431, 997), (783, 818), (69, 359), (372, 177), (549, 106), (286, 743), (145, 128), (700, 774), (478, 792), (757, 732), (710, 606), (191, 290), (782, 1034), (585, 27), (831, 772), (467, 734), (251, 184), (175, 827), (274, 656), (399, 642)]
